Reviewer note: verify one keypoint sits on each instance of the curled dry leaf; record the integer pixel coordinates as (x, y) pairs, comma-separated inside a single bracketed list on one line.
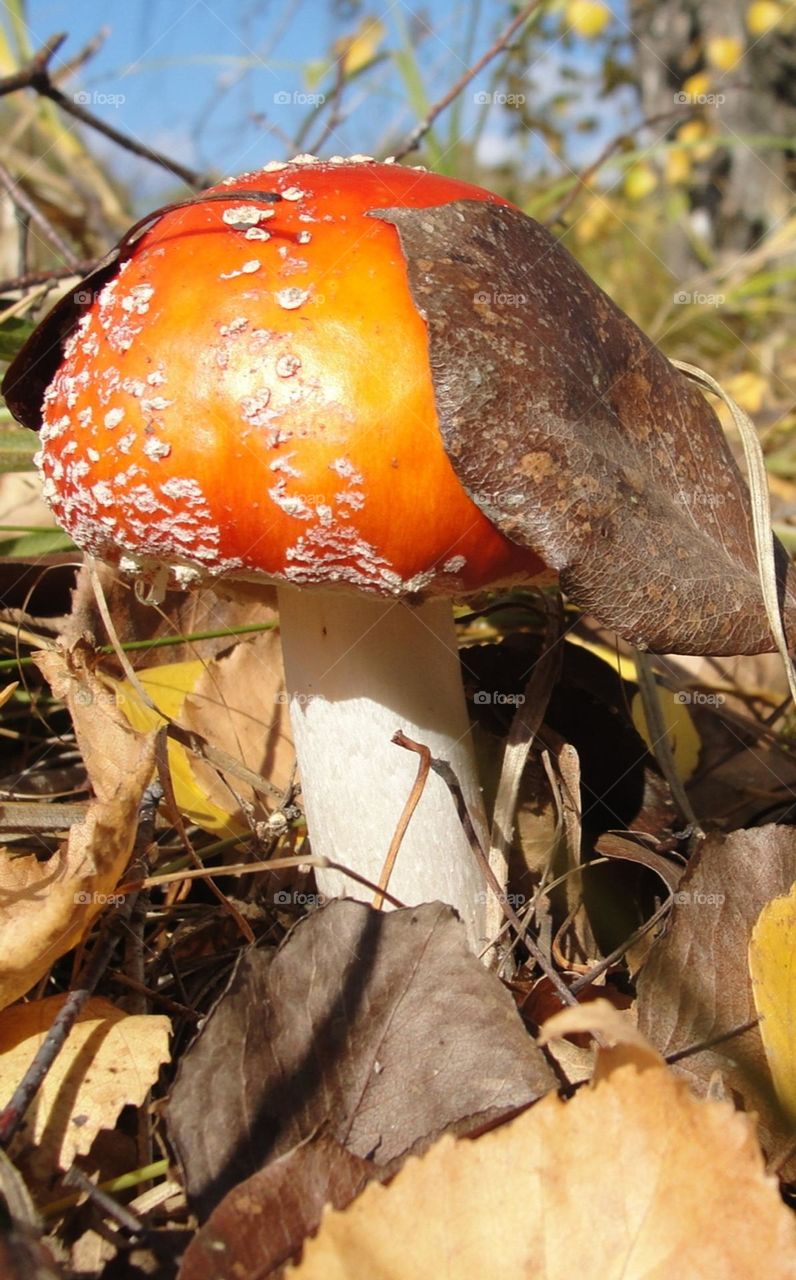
[(47, 907), (110, 1059), (695, 984), (615, 469), (633, 1177), (772, 965), (382, 1027), (611, 1026)]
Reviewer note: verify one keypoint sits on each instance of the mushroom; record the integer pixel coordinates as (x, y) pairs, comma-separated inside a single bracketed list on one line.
[(246, 396), (380, 389)]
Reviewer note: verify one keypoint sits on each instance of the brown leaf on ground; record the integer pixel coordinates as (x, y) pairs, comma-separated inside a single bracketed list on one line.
[(110, 1059), (264, 1221), (384, 1028), (696, 985), (632, 1178), (47, 907)]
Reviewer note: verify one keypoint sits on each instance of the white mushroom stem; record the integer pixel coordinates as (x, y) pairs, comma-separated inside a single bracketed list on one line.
[(357, 669)]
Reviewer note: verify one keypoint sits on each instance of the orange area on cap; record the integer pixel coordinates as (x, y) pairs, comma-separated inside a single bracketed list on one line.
[(251, 395)]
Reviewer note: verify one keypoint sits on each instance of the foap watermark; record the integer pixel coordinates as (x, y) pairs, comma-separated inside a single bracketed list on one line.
[(86, 899), (104, 698), (702, 498), (515, 900), (683, 99), (298, 99), (499, 99), (684, 298), (697, 898), (299, 699), (494, 698), (283, 898), (486, 299), (96, 99), (696, 698)]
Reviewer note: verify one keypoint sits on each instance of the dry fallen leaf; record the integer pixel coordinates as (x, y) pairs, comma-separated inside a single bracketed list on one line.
[(47, 907), (633, 1178), (695, 984), (264, 1221), (110, 1059), (239, 704), (382, 1027), (772, 965)]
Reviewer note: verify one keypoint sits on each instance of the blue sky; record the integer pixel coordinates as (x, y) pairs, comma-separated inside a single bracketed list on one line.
[(199, 78)]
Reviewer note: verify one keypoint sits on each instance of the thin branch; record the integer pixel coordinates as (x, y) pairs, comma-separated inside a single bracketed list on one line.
[(34, 215), (36, 76), (444, 771), (583, 179), (403, 822), (419, 132)]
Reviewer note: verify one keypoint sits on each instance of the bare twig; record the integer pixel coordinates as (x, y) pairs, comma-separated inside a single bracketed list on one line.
[(444, 771), (26, 76), (524, 727), (403, 822), (583, 179), (691, 1049), (419, 132), (29, 279), (34, 215), (36, 76)]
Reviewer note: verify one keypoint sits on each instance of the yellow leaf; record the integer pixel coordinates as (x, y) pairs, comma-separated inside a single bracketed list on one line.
[(214, 699), (749, 389), (762, 16), (7, 694), (594, 220), (772, 966), (698, 85), (357, 50), (639, 181), (588, 18), (110, 1060), (168, 687), (680, 729), (724, 51), (678, 166), (632, 1177)]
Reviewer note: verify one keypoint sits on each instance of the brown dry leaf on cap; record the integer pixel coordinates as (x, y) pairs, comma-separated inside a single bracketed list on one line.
[(383, 1028), (696, 985), (110, 1059), (47, 907), (615, 470), (264, 1221), (632, 1178)]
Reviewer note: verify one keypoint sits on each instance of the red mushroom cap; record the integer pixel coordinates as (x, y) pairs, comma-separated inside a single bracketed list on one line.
[(250, 395)]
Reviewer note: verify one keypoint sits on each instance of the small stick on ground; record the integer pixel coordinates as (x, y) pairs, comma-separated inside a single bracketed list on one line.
[(444, 771), (418, 786)]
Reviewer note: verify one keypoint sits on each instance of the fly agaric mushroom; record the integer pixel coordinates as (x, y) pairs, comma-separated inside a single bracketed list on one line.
[(248, 397), (378, 389)]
